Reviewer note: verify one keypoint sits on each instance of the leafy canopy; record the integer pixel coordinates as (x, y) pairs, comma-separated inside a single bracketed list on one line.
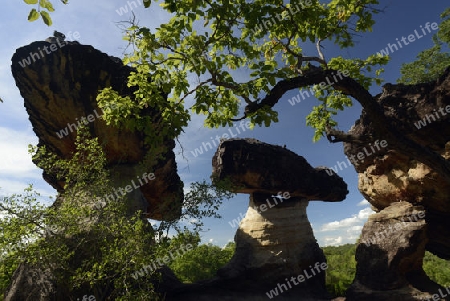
[(268, 40), (202, 262), (207, 47)]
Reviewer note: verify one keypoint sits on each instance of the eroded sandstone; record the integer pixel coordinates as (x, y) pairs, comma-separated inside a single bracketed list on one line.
[(275, 245), (393, 182), (60, 90)]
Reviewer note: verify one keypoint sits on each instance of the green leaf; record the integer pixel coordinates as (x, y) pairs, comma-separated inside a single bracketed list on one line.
[(33, 16), (31, 1), (47, 5), (46, 17)]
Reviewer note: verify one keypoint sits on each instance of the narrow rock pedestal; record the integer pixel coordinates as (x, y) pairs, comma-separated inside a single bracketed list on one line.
[(275, 244), (278, 244)]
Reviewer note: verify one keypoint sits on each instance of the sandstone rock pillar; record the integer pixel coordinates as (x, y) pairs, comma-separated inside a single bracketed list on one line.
[(275, 244), (60, 91)]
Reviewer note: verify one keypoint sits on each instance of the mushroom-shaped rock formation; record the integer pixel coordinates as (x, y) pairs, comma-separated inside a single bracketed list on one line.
[(275, 244), (59, 83), (275, 240), (421, 113)]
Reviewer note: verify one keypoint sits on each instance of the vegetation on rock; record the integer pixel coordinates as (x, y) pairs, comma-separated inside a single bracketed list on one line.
[(94, 246)]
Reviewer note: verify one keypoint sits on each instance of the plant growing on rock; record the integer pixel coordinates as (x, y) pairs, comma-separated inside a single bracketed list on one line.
[(89, 247)]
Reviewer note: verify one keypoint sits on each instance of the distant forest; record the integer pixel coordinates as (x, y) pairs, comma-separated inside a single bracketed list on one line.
[(342, 268)]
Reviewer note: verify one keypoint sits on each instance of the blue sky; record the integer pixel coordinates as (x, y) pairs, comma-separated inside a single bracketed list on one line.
[(96, 23)]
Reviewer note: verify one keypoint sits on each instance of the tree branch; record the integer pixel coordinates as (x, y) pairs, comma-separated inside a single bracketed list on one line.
[(382, 125), (334, 136)]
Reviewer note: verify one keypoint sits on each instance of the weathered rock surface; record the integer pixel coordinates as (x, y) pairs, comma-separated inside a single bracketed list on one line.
[(386, 177), (274, 242), (60, 89), (254, 166), (390, 256), (32, 284)]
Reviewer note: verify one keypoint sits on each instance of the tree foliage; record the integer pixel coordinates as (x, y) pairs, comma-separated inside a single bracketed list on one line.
[(244, 57), (437, 269), (95, 246), (43, 8), (341, 268), (202, 262), (430, 63), (79, 243), (217, 41)]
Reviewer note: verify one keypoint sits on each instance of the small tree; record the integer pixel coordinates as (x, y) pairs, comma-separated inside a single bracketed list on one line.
[(89, 245), (431, 63)]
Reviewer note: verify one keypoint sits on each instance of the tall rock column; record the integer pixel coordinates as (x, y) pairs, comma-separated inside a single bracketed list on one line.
[(275, 242)]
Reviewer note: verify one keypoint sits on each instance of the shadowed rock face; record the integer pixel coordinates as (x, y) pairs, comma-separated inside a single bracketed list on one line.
[(390, 255), (254, 166), (387, 177), (274, 242), (60, 90)]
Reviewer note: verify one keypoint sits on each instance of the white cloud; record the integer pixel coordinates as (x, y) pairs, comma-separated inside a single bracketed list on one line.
[(333, 241), (354, 228), (15, 160), (363, 203), (193, 220), (343, 231), (355, 220), (17, 170)]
